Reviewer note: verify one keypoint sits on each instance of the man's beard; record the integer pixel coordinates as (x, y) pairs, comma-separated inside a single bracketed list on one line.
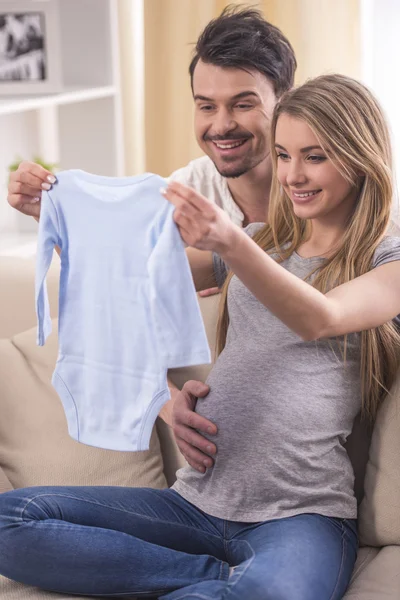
[(230, 171), (233, 172)]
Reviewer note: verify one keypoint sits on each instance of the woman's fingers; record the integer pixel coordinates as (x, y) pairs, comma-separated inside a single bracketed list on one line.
[(189, 195)]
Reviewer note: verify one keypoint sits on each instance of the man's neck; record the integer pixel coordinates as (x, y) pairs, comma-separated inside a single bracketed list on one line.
[(251, 192)]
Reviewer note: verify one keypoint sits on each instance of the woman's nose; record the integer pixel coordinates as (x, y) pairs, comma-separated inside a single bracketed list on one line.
[(296, 174)]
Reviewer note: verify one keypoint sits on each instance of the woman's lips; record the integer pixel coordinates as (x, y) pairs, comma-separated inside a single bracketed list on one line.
[(301, 197)]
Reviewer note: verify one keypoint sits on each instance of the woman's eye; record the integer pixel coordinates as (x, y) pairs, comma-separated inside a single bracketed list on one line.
[(282, 156), (316, 158)]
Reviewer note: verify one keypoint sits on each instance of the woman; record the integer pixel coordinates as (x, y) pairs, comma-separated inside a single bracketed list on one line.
[(307, 337)]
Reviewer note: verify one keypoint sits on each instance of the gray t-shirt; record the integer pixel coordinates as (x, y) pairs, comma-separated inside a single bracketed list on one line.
[(284, 408)]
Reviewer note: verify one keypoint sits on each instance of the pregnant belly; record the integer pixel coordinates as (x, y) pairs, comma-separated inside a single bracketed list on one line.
[(238, 401)]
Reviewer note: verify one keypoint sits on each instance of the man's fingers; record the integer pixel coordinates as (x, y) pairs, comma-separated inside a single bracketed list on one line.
[(198, 443), (27, 183), (37, 171), (18, 189), (209, 292), (193, 456), (194, 465), (28, 179), (196, 388), (25, 205), (193, 420)]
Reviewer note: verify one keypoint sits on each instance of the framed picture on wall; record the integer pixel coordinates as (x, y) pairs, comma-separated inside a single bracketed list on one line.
[(29, 47)]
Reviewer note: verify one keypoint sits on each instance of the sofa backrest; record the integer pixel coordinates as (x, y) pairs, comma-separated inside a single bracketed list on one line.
[(379, 514)]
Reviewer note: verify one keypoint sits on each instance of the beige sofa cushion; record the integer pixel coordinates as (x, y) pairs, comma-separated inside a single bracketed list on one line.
[(35, 447), (376, 575), (379, 516), (209, 310), (5, 484), (17, 293)]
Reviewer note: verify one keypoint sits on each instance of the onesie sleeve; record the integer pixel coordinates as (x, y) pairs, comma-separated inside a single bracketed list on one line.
[(179, 327), (48, 238)]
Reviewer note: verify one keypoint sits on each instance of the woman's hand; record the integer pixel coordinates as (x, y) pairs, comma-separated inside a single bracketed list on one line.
[(202, 224)]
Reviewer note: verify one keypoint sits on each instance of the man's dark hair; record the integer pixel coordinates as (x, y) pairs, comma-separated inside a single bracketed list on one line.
[(241, 38)]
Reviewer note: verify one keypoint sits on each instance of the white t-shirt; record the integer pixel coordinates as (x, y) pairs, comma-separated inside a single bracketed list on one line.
[(201, 175)]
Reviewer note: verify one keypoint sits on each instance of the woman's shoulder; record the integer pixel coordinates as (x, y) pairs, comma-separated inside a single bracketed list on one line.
[(252, 228), (387, 251)]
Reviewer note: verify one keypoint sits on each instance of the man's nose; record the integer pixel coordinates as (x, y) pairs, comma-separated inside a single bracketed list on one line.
[(223, 122)]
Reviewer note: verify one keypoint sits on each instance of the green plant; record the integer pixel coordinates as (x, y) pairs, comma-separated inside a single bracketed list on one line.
[(46, 165)]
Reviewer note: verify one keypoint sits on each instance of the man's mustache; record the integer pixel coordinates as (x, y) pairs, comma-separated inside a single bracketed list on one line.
[(224, 138)]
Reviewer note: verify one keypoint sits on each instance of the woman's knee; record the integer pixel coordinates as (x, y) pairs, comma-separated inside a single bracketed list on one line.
[(22, 504)]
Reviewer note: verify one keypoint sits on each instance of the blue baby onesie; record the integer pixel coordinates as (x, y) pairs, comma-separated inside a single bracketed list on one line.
[(128, 309)]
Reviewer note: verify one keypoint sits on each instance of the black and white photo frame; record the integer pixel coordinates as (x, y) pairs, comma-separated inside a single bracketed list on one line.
[(29, 47)]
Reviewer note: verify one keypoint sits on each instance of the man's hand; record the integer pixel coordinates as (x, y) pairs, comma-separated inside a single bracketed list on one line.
[(25, 188), (195, 448), (209, 292)]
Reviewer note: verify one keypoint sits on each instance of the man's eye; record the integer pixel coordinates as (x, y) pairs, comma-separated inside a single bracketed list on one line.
[(206, 107), (244, 106)]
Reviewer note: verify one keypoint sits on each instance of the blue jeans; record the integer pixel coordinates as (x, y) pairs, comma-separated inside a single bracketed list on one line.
[(116, 541)]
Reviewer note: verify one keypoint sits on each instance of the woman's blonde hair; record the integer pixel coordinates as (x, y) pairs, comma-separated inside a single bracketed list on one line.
[(350, 127)]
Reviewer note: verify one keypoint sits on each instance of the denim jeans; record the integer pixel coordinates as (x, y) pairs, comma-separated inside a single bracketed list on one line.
[(116, 541)]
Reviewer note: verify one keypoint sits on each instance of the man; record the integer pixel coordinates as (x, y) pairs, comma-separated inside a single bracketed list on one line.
[(241, 66)]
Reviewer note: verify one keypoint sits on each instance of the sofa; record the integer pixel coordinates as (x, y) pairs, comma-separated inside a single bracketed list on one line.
[(35, 448)]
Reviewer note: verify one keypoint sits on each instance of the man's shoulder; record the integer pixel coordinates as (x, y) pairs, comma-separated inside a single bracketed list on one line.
[(199, 173), (202, 175)]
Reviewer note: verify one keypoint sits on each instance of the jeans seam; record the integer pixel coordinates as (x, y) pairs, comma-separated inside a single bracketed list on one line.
[(225, 541), (341, 563), (32, 500), (194, 595), (221, 572), (131, 593), (233, 584)]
